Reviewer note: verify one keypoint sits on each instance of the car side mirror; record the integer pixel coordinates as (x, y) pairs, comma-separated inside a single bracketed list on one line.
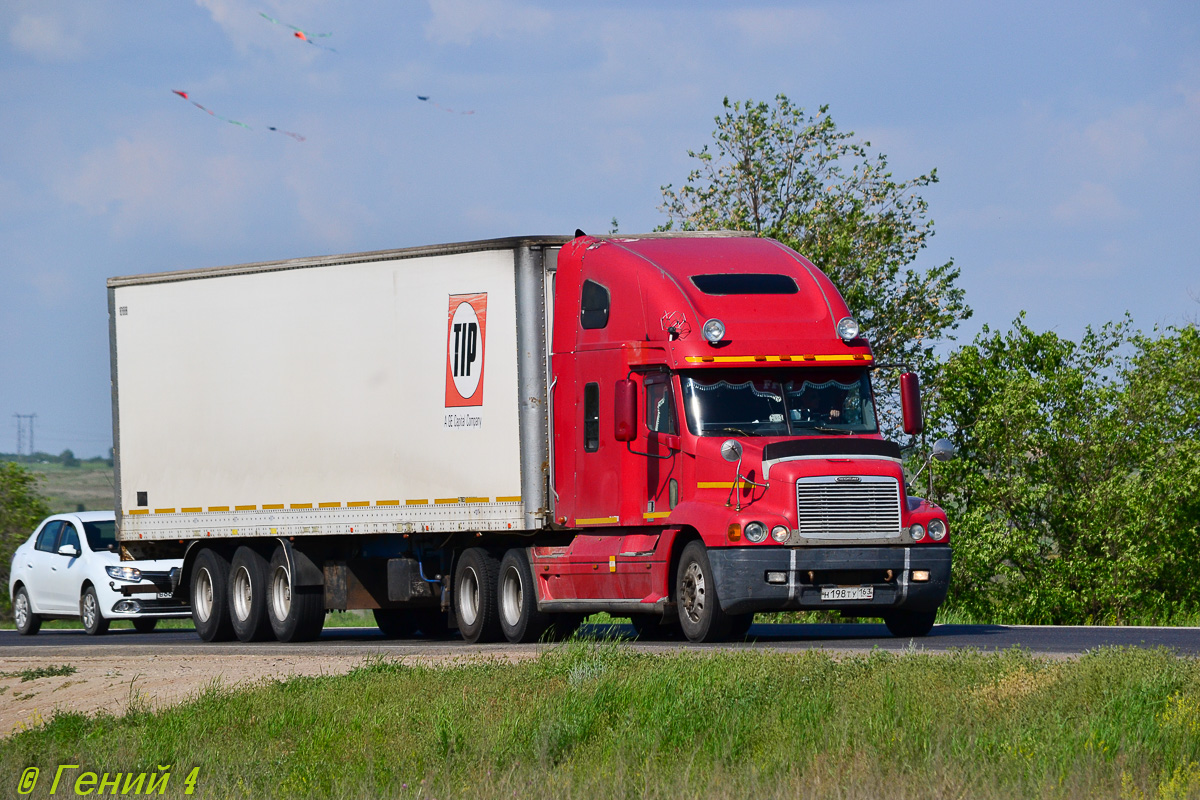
[(625, 410), (69, 550), (910, 403)]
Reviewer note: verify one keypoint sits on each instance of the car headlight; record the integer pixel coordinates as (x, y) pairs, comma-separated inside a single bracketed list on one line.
[(124, 573), (917, 531), (937, 530), (755, 532), (780, 533)]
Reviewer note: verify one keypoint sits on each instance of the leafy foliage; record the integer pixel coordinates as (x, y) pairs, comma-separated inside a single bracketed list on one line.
[(794, 177), (21, 509), (1076, 494)]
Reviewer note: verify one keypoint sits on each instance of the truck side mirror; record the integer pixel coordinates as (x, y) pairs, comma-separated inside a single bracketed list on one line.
[(943, 450), (910, 403), (625, 410)]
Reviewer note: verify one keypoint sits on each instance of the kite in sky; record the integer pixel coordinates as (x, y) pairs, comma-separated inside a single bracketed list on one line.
[(442, 107), (302, 35), (184, 95)]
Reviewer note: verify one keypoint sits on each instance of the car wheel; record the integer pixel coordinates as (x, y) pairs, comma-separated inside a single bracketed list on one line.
[(209, 596), (248, 596), (27, 621), (297, 613), (89, 611), (145, 624), (700, 613)]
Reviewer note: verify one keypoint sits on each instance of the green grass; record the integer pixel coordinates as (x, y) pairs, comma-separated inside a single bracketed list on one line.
[(88, 487), (33, 673), (601, 720)]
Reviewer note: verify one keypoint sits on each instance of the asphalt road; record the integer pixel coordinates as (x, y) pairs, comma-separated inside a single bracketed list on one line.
[(1044, 640)]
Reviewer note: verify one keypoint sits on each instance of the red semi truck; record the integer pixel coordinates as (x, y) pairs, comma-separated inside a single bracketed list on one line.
[(505, 436)]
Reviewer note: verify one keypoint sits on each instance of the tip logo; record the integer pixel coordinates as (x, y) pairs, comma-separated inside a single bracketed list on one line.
[(466, 326)]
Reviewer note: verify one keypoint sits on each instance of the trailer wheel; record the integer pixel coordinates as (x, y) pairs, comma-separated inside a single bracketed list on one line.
[(906, 624), (517, 597), (248, 596), (700, 613), (475, 580), (209, 596), (297, 613), (395, 623)]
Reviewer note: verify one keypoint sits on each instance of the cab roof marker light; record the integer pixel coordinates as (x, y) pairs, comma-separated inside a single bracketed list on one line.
[(714, 330), (847, 329)]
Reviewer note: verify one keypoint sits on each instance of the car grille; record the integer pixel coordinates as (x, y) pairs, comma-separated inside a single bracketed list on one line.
[(866, 507)]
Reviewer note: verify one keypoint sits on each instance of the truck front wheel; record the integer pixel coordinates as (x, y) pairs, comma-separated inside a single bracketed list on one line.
[(210, 597), (297, 613), (907, 624), (700, 613), (475, 580)]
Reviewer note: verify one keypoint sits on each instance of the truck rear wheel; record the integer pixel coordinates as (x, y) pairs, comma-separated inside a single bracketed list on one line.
[(517, 597), (700, 613), (210, 597), (475, 580), (906, 624), (248, 596), (296, 613)]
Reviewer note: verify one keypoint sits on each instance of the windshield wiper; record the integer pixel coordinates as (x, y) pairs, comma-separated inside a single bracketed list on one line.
[(727, 428), (825, 429)]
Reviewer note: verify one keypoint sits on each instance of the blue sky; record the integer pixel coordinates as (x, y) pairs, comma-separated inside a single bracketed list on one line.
[(1066, 136)]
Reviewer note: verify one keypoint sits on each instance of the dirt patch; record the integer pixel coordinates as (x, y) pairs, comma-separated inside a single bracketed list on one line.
[(111, 683)]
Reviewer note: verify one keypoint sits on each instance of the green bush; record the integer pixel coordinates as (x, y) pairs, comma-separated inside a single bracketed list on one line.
[(21, 509)]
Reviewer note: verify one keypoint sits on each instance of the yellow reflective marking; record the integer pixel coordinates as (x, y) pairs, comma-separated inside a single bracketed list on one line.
[(164, 511), (720, 485), (516, 499), (598, 521), (301, 505), (848, 359), (421, 502), (441, 501), (192, 510), (387, 502), (656, 514), (330, 505), (272, 507), (358, 503), (140, 511), (245, 508), (474, 499), (218, 508)]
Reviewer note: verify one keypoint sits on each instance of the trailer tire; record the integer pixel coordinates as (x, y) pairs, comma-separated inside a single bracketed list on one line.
[(296, 613), (475, 579), (700, 613), (516, 598), (907, 624), (248, 596), (395, 623), (209, 596)]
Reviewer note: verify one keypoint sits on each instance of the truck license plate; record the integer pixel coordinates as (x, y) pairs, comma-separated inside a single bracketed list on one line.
[(847, 593)]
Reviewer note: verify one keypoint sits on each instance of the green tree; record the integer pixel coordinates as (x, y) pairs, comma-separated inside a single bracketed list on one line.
[(794, 177), (21, 509), (1076, 494), (68, 459)]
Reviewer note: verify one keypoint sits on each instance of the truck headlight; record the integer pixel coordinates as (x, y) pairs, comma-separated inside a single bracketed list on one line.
[(755, 532), (847, 329), (780, 533), (714, 330), (937, 530), (917, 531), (124, 573)]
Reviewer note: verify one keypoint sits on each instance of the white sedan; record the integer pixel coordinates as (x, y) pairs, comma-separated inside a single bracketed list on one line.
[(71, 568)]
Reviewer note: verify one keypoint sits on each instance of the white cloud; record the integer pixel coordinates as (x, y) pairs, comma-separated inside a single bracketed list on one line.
[(1091, 203), (463, 21), (778, 27), (47, 38)]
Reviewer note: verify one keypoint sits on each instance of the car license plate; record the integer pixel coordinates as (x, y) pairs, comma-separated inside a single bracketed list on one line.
[(847, 593), (165, 595)]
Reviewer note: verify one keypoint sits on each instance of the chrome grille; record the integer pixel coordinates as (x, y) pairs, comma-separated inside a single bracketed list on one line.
[(856, 507)]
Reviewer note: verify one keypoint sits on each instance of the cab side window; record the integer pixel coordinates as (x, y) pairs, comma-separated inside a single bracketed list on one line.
[(660, 406), (591, 417), (593, 306), (47, 540)]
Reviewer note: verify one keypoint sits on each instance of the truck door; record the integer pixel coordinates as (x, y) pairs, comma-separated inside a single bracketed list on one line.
[(598, 455), (661, 485)]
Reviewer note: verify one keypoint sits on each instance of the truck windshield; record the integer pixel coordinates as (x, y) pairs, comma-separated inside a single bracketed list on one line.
[(778, 403)]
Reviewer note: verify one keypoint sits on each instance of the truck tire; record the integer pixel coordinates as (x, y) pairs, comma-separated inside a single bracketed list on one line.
[(248, 596), (475, 579), (297, 613), (209, 596), (517, 599), (395, 623), (700, 613), (432, 623), (92, 617), (27, 622), (907, 624)]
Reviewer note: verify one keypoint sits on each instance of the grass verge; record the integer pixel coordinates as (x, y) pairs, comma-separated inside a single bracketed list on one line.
[(600, 720)]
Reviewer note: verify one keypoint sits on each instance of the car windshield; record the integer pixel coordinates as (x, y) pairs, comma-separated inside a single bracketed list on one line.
[(806, 402), (101, 535)]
